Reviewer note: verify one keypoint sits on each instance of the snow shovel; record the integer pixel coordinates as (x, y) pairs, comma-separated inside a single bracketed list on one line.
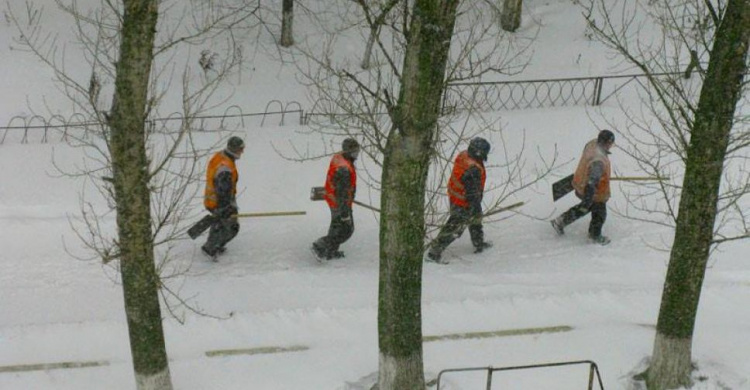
[(562, 187), (206, 222)]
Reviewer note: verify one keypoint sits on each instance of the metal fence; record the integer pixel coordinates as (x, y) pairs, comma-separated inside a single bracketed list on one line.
[(60, 129), (593, 379), (542, 93), (458, 97), (514, 95)]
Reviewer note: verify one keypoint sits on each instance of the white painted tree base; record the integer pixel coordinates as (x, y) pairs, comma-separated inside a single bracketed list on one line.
[(395, 373), (158, 381), (670, 365)]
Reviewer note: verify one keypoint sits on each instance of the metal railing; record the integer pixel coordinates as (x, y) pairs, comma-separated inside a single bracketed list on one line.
[(42, 129), (524, 94), (481, 96), (593, 372), (542, 93)]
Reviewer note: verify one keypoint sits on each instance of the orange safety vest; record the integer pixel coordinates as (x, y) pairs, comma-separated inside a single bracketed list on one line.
[(338, 161), (219, 163), (592, 153), (456, 189)]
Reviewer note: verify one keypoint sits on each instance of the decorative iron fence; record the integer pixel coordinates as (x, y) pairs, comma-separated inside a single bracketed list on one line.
[(525, 94), (529, 94), (60, 129), (458, 97)]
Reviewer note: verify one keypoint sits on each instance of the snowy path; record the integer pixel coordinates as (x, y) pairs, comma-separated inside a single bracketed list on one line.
[(280, 297)]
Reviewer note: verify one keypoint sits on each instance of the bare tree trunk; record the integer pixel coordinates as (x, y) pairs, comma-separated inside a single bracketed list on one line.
[(510, 19), (374, 31), (375, 25), (130, 166), (405, 168), (671, 363), (287, 19)]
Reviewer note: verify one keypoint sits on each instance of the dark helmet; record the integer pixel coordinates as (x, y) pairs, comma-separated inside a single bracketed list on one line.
[(350, 147), (235, 144), (605, 136), (479, 148)]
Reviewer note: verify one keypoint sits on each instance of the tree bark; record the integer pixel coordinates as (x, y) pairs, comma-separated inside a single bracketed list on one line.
[(287, 19), (510, 19), (671, 363), (405, 168), (374, 31), (130, 166), (375, 25)]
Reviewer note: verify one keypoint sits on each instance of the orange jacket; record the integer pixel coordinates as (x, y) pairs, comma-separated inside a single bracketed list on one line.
[(339, 161), (219, 163), (456, 189), (592, 153)]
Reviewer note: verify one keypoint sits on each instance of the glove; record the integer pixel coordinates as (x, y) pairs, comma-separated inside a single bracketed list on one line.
[(475, 213), (226, 212), (346, 215), (588, 197)]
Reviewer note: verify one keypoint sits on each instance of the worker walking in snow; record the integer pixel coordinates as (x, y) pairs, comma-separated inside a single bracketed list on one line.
[(591, 184), (340, 188), (220, 197), (465, 191)]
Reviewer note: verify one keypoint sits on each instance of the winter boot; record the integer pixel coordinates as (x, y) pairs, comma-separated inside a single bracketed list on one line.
[(482, 246), (601, 240), (435, 258), (212, 254), (319, 253), (558, 226), (336, 255)]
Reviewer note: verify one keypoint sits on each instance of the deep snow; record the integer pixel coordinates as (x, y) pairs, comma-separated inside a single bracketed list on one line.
[(268, 291)]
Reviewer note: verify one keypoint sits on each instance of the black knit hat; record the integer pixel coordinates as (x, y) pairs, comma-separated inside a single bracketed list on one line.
[(479, 148), (235, 144), (350, 145), (605, 136)]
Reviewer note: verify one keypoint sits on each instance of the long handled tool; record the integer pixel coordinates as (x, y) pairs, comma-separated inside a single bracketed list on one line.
[(639, 178), (271, 214), (504, 208), (317, 193), (206, 222), (497, 211), (563, 186)]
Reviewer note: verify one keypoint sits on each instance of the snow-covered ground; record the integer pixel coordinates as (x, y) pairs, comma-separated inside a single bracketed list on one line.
[(267, 291)]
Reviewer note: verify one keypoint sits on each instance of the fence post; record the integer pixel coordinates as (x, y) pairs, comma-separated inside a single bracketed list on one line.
[(46, 130), (598, 91)]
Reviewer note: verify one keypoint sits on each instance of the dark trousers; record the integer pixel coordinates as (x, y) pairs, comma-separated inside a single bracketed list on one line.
[(222, 231), (457, 221), (598, 212), (338, 232)]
